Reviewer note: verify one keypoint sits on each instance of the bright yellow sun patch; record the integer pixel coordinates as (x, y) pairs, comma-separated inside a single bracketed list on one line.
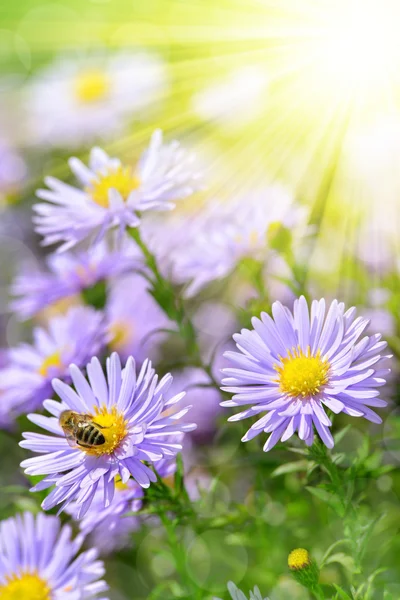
[(50, 362), (299, 559), (91, 86), (302, 374), (122, 179), (113, 426), (25, 586)]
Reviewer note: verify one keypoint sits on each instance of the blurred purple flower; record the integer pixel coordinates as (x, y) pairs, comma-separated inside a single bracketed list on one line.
[(134, 412), (108, 528), (13, 170), (294, 364), (68, 274), (381, 320), (114, 194), (215, 324), (232, 231), (204, 399), (25, 381), (133, 318), (39, 559)]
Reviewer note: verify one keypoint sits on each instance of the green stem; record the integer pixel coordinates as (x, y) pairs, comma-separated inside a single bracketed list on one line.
[(178, 552), (348, 512), (172, 304), (317, 591)]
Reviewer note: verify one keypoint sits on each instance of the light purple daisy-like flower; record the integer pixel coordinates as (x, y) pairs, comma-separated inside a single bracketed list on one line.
[(229, 232), (133, 413), (134, 319), (69, 274), (292, 365), (110, 528), (25, 381), (113, 194), (39, 560), (237, 594), (107, 528)]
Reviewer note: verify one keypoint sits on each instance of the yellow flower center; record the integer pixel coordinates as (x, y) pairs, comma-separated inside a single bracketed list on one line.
[(121, 334), (91, 86), (302, 374), (299, 559), (50, 362), (25, 586), (122, 487), (122, 179), (59, 307), (112, 425)]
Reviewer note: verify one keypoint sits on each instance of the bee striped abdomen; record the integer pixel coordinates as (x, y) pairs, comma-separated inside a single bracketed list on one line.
[(91, 436)]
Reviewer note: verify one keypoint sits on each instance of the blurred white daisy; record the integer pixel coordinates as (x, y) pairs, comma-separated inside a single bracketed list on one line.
[(235, 100), (74, 101), (112, 194)]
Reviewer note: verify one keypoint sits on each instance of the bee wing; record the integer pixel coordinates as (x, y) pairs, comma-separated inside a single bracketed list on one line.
[(70, 439)]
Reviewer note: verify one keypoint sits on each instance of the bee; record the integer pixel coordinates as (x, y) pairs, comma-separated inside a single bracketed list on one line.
[(81, 429)]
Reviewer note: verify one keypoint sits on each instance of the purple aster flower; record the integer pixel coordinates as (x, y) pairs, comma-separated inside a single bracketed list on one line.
[(68, 274), (26, 379), (113, 194), (292, 365), (230, 232), (39, 561), (237, 594), (133, 412), (134, 318), (110, 528)]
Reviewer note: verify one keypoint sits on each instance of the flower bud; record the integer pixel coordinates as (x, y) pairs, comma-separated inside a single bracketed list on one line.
[(304, 569)]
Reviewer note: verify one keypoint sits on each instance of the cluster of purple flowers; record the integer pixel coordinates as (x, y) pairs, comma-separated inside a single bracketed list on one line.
[(113, 423)]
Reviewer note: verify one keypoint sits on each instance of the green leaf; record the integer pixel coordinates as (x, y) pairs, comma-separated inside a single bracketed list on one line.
[(279, 237), (320, 494), (343, 559), (298, 451), (290, 467), (340, 434), (341, 593), (329, 498), (332, 547), (179, 475)]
